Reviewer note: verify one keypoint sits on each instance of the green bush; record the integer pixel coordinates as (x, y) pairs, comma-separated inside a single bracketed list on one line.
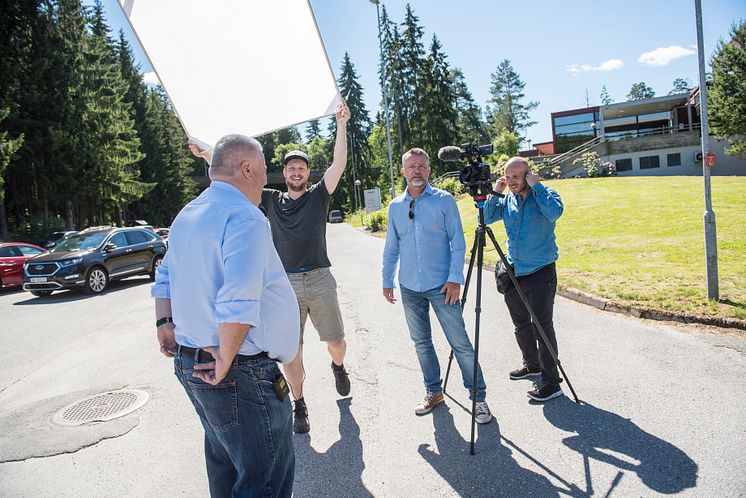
[(450, 185), (377, 220)]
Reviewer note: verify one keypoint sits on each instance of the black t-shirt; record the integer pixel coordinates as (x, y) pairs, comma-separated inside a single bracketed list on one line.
[(299, 226)]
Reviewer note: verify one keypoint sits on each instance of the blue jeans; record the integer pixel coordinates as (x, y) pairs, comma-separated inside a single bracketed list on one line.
[(417, 313), (248, 431)]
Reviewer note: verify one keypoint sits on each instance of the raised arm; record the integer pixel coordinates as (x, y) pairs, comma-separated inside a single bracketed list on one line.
[(337, 169), (204, 154)]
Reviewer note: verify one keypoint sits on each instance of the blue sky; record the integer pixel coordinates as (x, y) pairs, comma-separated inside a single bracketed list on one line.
[(560, 48)]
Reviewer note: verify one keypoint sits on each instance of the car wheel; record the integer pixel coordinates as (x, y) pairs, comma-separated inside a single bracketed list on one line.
[(96, 280), (156, 263), (41, 293)]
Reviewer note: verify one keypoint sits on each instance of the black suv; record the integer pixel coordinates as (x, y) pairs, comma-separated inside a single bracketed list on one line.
[(92, 258)]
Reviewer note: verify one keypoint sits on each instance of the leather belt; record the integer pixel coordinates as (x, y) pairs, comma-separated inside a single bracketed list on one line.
[(203, 356)]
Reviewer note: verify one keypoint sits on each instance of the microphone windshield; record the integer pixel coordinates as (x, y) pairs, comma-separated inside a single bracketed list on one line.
[(450, 153)]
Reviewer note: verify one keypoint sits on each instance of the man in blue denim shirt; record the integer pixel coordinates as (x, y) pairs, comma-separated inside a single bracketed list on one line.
[(529, 212), (426, 238), (225, 311)]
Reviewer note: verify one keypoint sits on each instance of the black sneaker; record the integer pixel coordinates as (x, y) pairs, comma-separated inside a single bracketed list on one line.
[(342, 379), (546, 393), (300, 417), (524, 373)]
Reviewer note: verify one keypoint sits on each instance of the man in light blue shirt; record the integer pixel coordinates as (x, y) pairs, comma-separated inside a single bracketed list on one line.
[(226, 312), (426, 238), (529, 212)]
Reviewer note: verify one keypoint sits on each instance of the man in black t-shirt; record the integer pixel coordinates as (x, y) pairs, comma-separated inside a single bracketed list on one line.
[(298, 221)]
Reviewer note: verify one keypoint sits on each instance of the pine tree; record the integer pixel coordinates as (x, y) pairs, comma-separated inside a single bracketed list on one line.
[(437, 113), (412, 59), (313, 130), (470, 126), (358, 130), (605, 98), (727, 92), (391, 73), (680, 85), (507, 110), (8, 148), (640, 91)]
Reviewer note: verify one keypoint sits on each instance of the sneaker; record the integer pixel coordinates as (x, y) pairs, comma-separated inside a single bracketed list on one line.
[(300, 417), (341, 379), (545, 393), (524, 373), (483, 413), (426, 405)]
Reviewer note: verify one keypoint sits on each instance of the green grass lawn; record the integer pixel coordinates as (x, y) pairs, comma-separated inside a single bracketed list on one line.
[(640, 241)]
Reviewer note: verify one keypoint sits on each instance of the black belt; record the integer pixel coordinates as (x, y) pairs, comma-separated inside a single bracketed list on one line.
[(203, 356)]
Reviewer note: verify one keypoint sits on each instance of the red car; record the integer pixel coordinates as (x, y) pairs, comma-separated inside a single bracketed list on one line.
[(13, 255)]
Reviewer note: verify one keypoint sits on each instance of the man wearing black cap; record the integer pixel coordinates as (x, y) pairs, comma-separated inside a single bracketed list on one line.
[(298, 221)]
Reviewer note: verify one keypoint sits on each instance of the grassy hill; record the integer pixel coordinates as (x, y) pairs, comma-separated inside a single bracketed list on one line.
[(640, 241)]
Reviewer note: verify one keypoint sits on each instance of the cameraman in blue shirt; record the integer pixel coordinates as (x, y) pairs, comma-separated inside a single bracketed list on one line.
[(529, 212)]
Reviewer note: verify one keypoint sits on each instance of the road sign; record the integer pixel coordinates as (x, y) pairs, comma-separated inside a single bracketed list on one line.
[(372, 200)]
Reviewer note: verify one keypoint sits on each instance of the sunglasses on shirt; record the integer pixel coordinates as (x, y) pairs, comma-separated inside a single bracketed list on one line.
[(411, 209)]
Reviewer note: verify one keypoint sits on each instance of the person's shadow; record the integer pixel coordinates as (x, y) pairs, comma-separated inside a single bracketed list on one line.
[(492, 471), (336, 472), (661, 466)]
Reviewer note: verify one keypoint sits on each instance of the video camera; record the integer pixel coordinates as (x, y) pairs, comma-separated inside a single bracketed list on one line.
[(475, 175)]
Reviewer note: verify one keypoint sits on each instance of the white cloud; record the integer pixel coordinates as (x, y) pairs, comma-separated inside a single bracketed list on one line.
[(150, 78), (609, 65), (663, 55)]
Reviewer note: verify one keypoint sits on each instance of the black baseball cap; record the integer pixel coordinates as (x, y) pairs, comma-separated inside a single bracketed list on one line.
[(295, 154)]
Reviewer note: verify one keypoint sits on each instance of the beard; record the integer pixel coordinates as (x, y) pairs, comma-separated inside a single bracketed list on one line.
[(295, 187), (417, 181)]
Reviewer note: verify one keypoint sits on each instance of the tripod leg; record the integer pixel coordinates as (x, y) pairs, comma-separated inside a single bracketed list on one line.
[(534, 319), (478, 312), (463, 301)]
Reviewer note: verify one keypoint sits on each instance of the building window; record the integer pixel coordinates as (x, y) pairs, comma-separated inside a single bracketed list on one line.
[(674, 159), (624, 164), (650, 162)]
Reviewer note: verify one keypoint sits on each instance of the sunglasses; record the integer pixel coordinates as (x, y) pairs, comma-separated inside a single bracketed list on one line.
[(411, 209)]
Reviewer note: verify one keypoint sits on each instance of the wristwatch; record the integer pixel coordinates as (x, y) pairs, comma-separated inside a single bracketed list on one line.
[(161, 321)]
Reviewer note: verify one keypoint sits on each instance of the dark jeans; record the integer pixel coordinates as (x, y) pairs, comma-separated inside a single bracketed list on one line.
[(248, 431), (539, 287)]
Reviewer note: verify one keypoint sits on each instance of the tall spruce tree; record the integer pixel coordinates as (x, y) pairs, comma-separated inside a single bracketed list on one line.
[(313, 130), (727, 91), (358, 130), (470, 126), (437, 113), (412, 59), (390, 71), (507, 111)]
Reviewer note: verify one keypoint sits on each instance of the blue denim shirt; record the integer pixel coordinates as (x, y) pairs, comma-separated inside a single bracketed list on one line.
[(430, 247), (530, 226)]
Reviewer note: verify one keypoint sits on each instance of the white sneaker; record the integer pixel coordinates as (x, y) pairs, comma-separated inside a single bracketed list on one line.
[(483, 413)]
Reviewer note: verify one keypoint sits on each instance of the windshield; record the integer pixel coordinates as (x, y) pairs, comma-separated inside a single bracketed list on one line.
[(84, 242)]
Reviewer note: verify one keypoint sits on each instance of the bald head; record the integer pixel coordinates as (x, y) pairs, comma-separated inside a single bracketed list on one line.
[(517, 162), (516, 170), (231, 151)]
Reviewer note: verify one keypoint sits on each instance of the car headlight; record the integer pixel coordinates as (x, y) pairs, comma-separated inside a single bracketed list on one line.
[(70, 262)]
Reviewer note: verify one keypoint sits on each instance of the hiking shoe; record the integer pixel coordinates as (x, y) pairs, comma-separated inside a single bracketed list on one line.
[(524, 373), (545, 393), (483, 413), (300, 417), (426, 405), (341, 379)]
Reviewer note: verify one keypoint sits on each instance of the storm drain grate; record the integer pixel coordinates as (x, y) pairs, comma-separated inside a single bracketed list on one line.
[(101, 407)]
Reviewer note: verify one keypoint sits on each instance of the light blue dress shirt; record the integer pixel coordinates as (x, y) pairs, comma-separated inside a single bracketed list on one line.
[(530, 226), (221, 266), (429, 248)]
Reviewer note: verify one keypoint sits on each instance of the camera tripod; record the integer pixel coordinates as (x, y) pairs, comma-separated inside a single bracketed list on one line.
[(478, 250)]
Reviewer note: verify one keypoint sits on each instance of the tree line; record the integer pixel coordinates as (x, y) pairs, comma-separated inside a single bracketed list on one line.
[(83, 141)]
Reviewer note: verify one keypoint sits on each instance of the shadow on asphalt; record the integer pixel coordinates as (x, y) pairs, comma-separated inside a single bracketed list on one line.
[(336, 472), (492, 471), (76, 295), (661, 466)]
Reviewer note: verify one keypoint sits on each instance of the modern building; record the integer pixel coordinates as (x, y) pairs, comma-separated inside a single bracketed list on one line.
[(656, 136)]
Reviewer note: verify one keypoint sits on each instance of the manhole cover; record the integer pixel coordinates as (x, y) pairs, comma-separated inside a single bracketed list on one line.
[(101, 407)]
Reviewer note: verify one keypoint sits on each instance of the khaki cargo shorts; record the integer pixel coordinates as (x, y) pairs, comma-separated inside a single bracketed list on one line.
[(316, 291)]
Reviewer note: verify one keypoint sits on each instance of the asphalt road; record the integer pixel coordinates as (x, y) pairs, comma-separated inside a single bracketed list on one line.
[(662, 411)]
